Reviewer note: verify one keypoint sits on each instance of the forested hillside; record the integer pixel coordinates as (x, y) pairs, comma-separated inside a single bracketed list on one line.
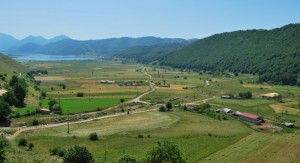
[(273, 54), (147, 54)]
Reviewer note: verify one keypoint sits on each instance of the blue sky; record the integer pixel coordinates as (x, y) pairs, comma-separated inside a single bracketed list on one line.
[(98, 19)]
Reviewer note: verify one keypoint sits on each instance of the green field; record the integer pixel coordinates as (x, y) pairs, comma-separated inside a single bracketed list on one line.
[(118, 135), (69, 106), (26, 110), (199, 137)]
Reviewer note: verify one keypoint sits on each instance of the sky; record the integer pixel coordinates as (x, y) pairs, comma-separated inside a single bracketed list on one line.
[(99, 19)]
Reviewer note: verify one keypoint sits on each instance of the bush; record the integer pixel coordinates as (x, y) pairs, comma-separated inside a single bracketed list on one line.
[(93, 136), (22, 142), (79, 94), (165, 152), (35, 122), (127, 159), (30, 146), (78, 154), (140, 136), (162, 109), (57, 151)]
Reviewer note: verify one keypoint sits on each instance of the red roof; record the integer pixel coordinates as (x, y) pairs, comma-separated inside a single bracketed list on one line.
[(249, 115)]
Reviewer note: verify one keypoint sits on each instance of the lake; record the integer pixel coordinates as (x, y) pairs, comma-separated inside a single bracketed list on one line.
[(48, 57)]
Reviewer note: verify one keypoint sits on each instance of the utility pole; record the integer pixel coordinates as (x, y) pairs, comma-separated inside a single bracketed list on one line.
[(68, 123), (105, 156)]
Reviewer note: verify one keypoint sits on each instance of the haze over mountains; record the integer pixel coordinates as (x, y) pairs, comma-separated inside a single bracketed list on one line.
[(63, 45)]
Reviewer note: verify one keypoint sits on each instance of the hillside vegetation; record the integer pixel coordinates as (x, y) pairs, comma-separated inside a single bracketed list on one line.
[(9, 66), (147, 54), (273, 54)]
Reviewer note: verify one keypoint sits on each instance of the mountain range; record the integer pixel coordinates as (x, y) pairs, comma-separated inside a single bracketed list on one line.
[(63, 45), (10, 43)]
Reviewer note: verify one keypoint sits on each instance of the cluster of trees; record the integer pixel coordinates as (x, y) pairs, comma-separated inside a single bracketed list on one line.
[(243, 52), (17, 90), (3, 145), (245, 95), (168, 107), (33, 73), (164, 152)]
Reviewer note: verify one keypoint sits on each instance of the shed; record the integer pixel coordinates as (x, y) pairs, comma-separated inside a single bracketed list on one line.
[(269, 95), (44, 111)]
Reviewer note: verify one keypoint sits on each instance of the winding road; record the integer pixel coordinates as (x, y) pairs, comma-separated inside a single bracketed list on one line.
[(152, 89)]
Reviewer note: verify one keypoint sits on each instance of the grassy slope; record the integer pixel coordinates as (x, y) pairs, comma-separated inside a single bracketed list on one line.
[(9, 66), (187, 130)]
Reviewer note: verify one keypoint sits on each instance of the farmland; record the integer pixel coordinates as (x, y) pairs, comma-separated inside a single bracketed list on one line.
[(200, 137)]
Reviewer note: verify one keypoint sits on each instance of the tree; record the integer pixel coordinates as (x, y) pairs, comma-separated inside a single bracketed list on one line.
[(93, 136), (122, 100), (3, 145), (169, 106), (10, 98), (78, 154), (35, 122), (246, 95), (51, 103), (165, 152), (4, 109), (20, 94), (22, 142), (162, 109), (30, 146), (127, 159), (14, 80)]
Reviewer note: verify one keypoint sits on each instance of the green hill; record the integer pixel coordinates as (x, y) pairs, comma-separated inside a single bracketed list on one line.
[(273, 54), (10, 66), (147, 54)]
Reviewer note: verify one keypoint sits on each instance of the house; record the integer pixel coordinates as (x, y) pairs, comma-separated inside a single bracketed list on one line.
[(250, 118), (269, 95), (224, 110), (2, 92), (44, 111), (107, 82)]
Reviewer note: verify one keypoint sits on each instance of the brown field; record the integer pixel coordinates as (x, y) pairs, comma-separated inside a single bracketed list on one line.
[(280, 108)]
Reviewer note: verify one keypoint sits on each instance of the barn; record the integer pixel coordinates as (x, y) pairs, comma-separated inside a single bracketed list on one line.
[(251, 118)]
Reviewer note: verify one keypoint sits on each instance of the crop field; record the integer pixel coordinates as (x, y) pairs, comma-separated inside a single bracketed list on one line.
[(83, 105), (261, 147)]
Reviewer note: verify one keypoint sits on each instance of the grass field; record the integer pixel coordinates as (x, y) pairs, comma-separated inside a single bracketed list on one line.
[(26, 110), (261, 147), (119, 135), (200, 138), (83, 105)]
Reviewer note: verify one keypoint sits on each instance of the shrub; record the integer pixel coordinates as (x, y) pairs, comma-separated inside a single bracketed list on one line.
[(162, 109), (127, 159), (35, 122), (140, 136), (79, 94), (78, 154), (93, 136), (30, 146), (22, 142), (165, 152)]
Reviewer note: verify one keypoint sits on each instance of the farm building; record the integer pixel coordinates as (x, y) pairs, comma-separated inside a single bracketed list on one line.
[(289, 124), (226, 97), (250, 118), (44, 111), (2, 92), (269, 95), (223, 110)]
